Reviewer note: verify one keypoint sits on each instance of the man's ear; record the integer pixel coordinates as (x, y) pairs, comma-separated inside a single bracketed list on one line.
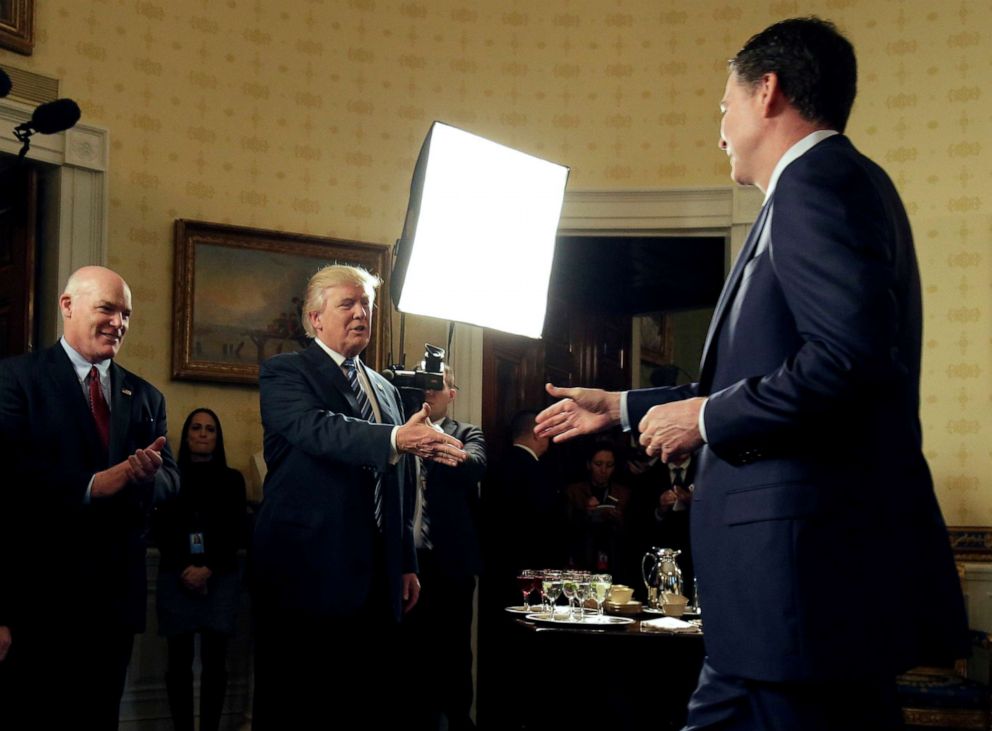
[(771, 97), (314, 318), (65, 305)]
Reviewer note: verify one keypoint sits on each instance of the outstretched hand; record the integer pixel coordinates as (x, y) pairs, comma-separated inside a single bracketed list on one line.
[(420, 437), (138, 467), (581, 411)]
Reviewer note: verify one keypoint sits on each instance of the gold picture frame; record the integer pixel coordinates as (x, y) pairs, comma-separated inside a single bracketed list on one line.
[(238, 296)]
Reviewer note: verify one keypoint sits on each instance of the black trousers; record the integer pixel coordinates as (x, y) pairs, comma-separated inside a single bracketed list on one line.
[(437, 639), (325, 673), (81, 666), (727, 703)]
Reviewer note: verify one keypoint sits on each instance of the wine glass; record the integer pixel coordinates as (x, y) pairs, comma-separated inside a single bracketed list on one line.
[(527, 582), (551, 586), (600, 585), (581, 592), (569, 585)]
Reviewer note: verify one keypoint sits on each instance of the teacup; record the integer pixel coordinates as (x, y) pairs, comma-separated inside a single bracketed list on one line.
[(673, 605), (620, 594)]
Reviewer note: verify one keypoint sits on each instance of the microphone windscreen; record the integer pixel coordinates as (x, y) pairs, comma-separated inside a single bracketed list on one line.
[(5, 84), (56, 116)]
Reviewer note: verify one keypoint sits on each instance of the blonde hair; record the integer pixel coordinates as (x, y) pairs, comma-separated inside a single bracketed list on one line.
[(334, 275)]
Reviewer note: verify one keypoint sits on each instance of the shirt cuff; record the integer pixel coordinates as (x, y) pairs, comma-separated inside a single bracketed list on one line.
[(624, 419), (702, 421), (394, 453), (87, 496)]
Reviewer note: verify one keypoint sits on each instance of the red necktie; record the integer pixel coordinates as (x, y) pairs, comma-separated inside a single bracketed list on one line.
[(98, 406)]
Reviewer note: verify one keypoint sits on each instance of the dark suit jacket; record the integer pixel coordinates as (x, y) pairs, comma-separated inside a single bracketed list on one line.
[(812, 491), (453, 504), (81, 561), (315, 535)]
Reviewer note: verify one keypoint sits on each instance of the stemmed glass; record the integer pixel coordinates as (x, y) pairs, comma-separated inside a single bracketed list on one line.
[(581, 592), (527, 581), (569, 586), (600, 585), (551, 586)]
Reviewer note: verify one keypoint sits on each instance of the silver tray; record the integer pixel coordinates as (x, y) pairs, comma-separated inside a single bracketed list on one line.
[(588, 621)]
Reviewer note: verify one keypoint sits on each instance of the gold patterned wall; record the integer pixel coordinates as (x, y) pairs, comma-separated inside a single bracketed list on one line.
[(307, 115)]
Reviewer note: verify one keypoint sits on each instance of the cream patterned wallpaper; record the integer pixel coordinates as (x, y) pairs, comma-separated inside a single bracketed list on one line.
[(307, 115)]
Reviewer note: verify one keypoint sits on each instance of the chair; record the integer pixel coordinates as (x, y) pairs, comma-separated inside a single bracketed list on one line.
[(950, 699)]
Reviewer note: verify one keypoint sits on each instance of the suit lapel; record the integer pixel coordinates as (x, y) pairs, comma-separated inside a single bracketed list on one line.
[(730, 286), (121, 396), (65, 383), (329, 372), (388, 408)]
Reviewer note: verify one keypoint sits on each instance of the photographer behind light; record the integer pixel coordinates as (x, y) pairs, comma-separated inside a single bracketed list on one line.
[(446, 532)]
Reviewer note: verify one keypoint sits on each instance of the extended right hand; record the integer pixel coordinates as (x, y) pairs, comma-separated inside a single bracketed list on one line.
[(581, 411), (420, 437)]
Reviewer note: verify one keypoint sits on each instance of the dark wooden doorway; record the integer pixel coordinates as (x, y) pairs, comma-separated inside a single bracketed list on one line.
[(18, 254)]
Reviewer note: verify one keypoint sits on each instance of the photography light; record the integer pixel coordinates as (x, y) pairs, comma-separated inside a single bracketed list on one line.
[(479, 236)]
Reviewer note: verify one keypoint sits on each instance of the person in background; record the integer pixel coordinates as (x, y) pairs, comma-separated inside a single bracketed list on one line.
[(595, 513), (82, 442), (199, 586), (446, 531)]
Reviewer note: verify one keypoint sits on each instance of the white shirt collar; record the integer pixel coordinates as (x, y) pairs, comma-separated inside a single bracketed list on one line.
[(527, 449), (335, 355), (794, 153), (82, 366)]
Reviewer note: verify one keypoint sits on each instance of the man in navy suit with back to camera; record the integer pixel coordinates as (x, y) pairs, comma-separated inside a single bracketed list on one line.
[(333, 563), (805, 421), (83, 447)]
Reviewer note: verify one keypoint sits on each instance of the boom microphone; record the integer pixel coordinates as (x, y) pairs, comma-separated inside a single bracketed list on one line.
[(52, 117)]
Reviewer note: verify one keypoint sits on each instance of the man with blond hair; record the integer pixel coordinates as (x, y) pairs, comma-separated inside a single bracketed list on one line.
[(83, 446), (333, 554)]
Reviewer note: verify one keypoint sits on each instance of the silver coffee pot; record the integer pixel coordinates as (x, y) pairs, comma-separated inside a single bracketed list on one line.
[(661, 573)]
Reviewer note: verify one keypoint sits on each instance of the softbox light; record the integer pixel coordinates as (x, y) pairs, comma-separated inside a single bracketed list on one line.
[(479, 236)]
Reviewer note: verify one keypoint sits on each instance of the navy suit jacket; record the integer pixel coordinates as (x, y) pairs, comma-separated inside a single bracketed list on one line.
[(453, 504), (84, 562), (315, 536), (818, 543)]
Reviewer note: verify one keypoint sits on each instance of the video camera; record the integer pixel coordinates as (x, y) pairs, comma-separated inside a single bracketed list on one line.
[(429, 375)]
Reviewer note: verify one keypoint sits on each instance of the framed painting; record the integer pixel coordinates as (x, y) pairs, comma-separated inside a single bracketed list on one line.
[(17, 26), (238, 297)]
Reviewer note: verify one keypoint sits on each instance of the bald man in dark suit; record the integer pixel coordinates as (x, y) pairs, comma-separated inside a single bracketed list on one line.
[(85, 454)]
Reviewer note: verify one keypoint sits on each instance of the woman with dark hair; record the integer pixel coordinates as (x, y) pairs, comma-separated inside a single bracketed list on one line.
[(596, 509), (198, 535)]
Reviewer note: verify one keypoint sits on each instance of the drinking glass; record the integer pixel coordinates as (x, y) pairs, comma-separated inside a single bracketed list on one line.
[(527, 582), (551, 586), (600, 585), (581, 592), (569, 585)]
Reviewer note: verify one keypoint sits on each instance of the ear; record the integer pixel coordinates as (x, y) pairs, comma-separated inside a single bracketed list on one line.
[(314, 318), (770, 94), (65, 306)]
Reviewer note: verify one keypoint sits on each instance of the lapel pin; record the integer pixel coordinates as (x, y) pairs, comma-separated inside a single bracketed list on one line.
[(126, 391)]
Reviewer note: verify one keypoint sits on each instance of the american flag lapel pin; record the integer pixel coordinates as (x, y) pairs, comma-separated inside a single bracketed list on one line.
[(126, 391)]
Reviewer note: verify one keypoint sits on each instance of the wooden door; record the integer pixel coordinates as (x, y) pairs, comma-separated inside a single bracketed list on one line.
[(18, 227)]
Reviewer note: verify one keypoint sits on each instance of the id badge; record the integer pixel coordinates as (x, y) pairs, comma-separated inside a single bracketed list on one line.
[(196, 543)]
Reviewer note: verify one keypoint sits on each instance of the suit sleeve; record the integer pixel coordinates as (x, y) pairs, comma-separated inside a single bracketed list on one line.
[(292, 409), (830, 251), (642, 399), (49, 477), (167, 478)]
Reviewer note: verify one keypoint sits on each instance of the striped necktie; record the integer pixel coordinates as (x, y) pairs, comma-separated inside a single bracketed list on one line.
[(365, 407), (425, 516)]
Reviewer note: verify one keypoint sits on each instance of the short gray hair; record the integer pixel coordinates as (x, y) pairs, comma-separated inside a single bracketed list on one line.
[(332, 276)]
